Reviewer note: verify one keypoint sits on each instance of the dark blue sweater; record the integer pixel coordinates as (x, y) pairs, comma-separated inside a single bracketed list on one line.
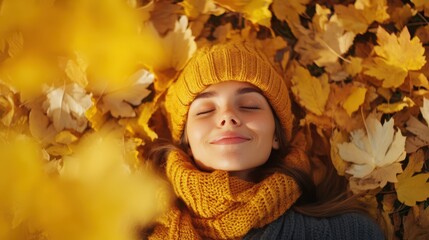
[(293, 225)]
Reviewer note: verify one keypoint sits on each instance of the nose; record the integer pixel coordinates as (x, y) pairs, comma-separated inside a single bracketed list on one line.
[(229, 118)]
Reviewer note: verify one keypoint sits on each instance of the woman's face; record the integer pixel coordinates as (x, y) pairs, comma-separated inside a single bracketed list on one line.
[(230, 126)]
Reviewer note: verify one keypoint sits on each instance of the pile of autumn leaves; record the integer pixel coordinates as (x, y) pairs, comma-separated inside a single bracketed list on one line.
[(82, 84)]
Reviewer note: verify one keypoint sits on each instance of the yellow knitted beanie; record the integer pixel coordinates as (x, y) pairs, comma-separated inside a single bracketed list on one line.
[(224, 62)]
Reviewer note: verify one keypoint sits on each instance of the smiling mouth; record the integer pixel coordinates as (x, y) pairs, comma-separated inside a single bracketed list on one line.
[(230, 140)]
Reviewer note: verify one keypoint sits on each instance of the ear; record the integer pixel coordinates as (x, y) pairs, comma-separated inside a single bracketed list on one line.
[(275, 143)]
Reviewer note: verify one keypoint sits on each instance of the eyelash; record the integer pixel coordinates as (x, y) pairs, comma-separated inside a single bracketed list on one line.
[(241, 107), (204, 112), (250, 107)]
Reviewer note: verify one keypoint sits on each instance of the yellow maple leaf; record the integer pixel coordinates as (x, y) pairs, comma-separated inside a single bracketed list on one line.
[(391, 75), (355, 99), (412, 189), (255, 10), (311, 92), (400, 51), (395, 57)]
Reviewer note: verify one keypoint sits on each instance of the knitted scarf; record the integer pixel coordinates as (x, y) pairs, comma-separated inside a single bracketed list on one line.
[(218, 206)]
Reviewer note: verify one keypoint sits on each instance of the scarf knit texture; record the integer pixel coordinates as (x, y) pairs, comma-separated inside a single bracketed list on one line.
[(216, 206)]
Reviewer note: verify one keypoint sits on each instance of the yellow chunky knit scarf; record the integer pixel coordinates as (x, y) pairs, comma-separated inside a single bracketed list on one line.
[(217, 206)]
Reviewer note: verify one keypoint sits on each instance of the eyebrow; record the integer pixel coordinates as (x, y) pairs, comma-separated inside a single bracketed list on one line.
[(240, 91)]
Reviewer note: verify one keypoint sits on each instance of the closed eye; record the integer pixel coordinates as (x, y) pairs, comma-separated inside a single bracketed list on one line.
[(250, 107), (204, 112)]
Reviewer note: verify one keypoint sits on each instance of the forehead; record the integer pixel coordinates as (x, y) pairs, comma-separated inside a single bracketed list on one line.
[(230, 85)]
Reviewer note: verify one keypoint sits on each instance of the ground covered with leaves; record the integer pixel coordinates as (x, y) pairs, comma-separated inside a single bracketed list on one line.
[(82, 85)]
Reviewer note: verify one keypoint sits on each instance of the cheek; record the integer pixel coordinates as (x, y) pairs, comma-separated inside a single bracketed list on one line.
[(196, 132), (262, 125)]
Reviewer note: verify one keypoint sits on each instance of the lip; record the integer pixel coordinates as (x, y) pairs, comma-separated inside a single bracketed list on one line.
[(230, 138)]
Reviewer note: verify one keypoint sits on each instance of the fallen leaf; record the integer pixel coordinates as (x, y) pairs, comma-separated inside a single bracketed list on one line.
[(194, 8), (414, 165), (400, 51), (401, 14), (177, 46), (397, 106), (40, 126), (337, 138), (361, 14), (377, 147), (395, 57), (65, 137), (335, 40), (95, 116), (378, 178), (311, 92), (121, 101), (76, 70), (412, 189), (164, 15), (392, 76), (414, 228), (355, 100), (66, 107), (255, 10), (354, 66), (147, 111), (290, 11)]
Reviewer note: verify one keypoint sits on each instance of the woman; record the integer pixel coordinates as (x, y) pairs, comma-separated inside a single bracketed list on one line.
[(232, 165)]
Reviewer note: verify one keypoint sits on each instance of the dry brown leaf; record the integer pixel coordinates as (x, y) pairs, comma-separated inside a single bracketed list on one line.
[(401, 14), (359, 16), (164, 15), (290, 11), (414, 229)]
